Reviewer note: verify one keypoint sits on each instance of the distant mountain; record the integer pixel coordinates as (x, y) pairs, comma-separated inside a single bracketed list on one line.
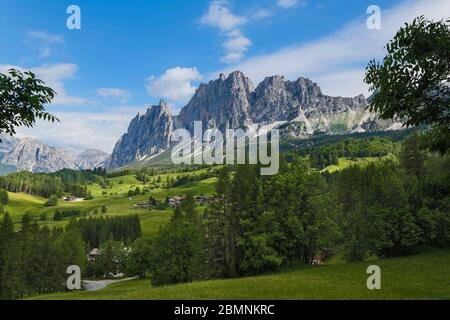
[(91, 158), (33, 155), (298, 108), (7, 145)]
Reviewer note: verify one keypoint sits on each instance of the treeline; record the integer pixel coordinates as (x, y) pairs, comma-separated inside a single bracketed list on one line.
[(391, 210), (34, 260), (328, 154), (95, 231), (288, 144), (45, 185), (257, 224), (179, 180), (33, 183), (154, 171)]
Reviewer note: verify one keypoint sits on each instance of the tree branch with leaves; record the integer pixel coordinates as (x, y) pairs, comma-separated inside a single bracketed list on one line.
[(22, 101), (412, 84)]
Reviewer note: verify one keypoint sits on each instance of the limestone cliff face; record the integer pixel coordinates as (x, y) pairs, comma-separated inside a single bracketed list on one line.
[(7, 144), (33, 155), (223, 103), (90, 159), (298, 108), (147, 135)]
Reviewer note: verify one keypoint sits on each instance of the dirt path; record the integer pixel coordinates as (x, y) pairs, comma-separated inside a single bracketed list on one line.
[(91, 285)]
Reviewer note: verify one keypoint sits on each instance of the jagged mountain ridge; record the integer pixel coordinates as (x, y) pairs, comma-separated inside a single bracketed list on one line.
[(33, 155), (298, 108), (91, 158), (7, 144)]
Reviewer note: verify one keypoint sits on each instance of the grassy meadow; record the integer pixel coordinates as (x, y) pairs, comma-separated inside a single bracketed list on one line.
[(423, 276), (116, 200)]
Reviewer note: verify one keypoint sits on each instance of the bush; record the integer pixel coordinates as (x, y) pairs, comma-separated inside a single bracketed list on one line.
[(57, 216), (52, 201), (4, 198)]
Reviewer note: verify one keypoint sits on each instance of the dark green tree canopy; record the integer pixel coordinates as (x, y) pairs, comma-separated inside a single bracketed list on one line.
[(413, 81), (22, 100)]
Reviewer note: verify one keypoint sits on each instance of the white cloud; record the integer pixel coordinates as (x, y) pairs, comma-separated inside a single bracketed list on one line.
[(288, 3), (220, 16), (54, 76), (43, 41), (120, 94), (236, 45), (261, 14), (174, 84), (340, 58), (78, 131)]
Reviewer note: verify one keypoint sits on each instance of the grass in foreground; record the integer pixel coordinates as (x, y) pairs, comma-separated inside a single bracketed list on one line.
[(424, 276)]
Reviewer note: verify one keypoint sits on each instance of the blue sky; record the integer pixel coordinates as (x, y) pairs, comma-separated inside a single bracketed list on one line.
[(130, 54)]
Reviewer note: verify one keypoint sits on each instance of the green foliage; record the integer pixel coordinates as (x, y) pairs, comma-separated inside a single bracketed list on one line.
[(392, 210), (43, 217), (112, 259), (22, 100), (45, 185), (177, 253), (412, 82), (4, 198), (62, 214), (34, 260), (256, 224), (52, 201), (96, 231), (328, 154), (139, 260)]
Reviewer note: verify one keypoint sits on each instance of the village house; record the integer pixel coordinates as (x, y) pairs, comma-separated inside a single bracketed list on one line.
[(175, 201), (93, 254), (201, 199), (142, 205), (70, 198)]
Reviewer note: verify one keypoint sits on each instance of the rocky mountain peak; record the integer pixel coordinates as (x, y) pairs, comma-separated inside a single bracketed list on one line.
[(224, 101), (33, 155), (297, 107), (90, 159), (147, 135)]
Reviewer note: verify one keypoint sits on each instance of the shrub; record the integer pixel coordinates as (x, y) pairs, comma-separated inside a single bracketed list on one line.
[(52, 201), (4, 198)]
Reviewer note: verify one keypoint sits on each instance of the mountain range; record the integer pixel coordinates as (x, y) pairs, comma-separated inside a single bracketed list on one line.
[(33, 155), (298, 108)]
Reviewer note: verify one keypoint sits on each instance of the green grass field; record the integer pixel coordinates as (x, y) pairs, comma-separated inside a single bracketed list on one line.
[(347, 162), (116, 200), (424, 276)]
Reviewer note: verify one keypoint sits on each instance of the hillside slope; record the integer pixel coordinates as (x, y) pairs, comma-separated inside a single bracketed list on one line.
[(424, 276)]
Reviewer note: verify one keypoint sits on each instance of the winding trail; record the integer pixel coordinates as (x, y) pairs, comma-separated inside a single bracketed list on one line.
[(91, 285)]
